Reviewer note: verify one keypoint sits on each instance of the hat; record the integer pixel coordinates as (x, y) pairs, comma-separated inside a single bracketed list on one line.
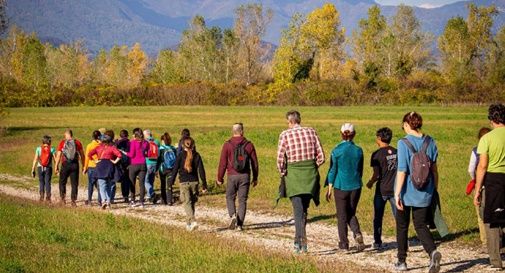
[(347, 127)]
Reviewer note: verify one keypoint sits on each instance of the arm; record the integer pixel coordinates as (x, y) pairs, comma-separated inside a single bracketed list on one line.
[(86, 159), (400, 181), (332, 173), (481, 172), (57, 162), (201, 172), (360, 166), (34, 164), (434, 170), (319, 151), (223, 162), (132, 151), (81, 155), (175, 170), (281, 152), (254, 165), (401, 175), (117, 153)]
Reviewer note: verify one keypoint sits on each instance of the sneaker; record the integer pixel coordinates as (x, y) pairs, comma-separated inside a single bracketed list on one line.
[(104, 205), (435, 258), (132, 204), (305, 249), (297, 248), (233, 223), (401, 266), (240, 228), (360, 245), (377, 246), (142, 206), (126, 200), (193, 226), (87, 202)]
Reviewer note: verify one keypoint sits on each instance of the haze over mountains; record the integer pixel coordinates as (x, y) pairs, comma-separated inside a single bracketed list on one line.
[(158, 24)]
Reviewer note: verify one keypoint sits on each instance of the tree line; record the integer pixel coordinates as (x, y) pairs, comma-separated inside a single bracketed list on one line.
[(385, 60)]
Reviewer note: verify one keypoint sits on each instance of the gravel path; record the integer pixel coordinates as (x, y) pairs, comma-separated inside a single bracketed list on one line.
[(275, 232)]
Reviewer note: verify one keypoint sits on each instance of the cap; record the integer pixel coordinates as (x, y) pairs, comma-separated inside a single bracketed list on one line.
[(347, 127)]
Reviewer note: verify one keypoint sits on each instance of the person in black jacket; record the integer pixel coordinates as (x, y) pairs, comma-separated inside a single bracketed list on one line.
[(189, 167)]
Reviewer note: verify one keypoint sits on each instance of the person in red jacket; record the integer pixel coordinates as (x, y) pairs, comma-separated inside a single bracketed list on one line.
[(238, 158)]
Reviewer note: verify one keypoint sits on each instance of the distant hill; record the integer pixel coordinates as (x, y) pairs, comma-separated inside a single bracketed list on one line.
[(158, 24)]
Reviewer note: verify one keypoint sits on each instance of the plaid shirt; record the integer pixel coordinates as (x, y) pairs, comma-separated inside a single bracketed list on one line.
[(298, 144)]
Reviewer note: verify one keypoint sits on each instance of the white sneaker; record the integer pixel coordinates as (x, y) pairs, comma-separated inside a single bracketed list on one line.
[(188, 227), (193, 226)]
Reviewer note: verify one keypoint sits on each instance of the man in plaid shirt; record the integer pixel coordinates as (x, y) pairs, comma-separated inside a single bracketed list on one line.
[(299, 156)]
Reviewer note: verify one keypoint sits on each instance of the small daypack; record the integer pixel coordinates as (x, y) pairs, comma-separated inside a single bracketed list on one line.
[(168, 159), (70, 150), (420, 164), (240, 157), (154, 151), (45, 155)]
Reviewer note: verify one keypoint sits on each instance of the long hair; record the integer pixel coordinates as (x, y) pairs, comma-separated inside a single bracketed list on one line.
[(166, 139), (189, 144)]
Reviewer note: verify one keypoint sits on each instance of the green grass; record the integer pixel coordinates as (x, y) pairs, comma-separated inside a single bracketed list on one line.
[(454, 128), (35, 238)]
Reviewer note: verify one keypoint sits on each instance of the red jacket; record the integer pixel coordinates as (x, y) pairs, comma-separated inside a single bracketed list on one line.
[(226, 161)]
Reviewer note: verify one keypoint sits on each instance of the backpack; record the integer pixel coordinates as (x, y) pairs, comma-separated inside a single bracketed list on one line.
[(168, 159), (154, 151), (70, 150), (45, 155), (240, 157), (420, 164)]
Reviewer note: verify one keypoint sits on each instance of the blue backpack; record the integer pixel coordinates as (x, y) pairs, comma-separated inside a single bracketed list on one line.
[(168, 159)]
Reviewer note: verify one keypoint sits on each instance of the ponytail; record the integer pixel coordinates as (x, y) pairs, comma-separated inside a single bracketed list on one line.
[(188, 144)]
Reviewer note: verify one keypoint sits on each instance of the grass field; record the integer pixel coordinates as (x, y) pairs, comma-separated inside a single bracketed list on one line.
[(454, 128), (36, 238)]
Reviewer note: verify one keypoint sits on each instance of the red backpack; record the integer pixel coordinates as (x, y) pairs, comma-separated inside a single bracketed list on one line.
[(154, 150), (45, 155)]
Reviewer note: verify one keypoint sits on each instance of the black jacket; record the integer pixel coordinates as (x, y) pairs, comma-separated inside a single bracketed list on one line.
[(197, 169)]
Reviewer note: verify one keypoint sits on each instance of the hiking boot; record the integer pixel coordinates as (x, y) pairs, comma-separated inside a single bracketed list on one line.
[(401, 266), (435, 258), (360, 245), (233, 223), (48, 198), (343, 246), (87, 202), (126, 200)]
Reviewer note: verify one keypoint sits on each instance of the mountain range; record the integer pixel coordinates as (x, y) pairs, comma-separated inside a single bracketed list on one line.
[(159, 24)]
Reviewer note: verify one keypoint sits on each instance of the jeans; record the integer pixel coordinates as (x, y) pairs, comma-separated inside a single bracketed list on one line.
[(301, 205), (420, 217), (106, 189), (149, 180), (237, 184), (45, 175), (69, 170), (166, 188), (346, 203), (379, 204), (134, 171), (92, 182), (189, 196)]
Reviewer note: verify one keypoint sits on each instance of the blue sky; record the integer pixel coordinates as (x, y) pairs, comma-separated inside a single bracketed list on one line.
[(420, 3)]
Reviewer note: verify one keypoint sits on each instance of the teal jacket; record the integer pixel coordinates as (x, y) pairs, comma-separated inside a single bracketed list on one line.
[(346, 167)]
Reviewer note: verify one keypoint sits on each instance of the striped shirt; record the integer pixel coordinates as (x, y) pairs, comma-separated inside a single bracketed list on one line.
[(298, 144)]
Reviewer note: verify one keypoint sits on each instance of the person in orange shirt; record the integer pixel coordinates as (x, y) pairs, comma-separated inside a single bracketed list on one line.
[(90, 165)]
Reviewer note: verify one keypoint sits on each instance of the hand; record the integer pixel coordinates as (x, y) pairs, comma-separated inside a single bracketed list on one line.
[(84, 171), (369, 184), (57, 171), (476, 198), (328, 194), (399, 203), (254, 183), (33, 173), (219, 183)]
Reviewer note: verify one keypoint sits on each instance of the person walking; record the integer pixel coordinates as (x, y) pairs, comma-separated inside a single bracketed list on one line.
[(153, 154), (189, 167), (344, 179), (299, 155), (137, 168), (123, 144), (238, 158), (491, 175), (68, 153), (43, 161), (108, 155), (472, 169), (168, 156), (416, 183), (384, 163), (90, 165)]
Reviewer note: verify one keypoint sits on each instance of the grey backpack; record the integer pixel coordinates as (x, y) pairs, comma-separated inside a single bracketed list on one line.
[(420, 164), (69, 150)]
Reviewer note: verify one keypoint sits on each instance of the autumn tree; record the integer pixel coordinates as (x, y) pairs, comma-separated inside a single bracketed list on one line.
[(68, 65), (165, 69)]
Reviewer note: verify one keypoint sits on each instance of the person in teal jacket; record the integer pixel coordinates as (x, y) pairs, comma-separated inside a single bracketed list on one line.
[(344, 179)]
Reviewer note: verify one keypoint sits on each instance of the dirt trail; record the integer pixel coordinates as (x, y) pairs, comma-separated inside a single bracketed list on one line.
[(275, 232)]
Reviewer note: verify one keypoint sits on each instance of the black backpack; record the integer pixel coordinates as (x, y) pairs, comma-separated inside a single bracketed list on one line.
[(420, 164), (240, 157)]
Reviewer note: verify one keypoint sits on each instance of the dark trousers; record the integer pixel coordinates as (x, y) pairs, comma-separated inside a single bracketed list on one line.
[(237, 185), (134, 171), (125, 183), (347, 204), (379, 205), (69, 170), (301, 205), (45, 175), (420, 217), (166, 188)]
